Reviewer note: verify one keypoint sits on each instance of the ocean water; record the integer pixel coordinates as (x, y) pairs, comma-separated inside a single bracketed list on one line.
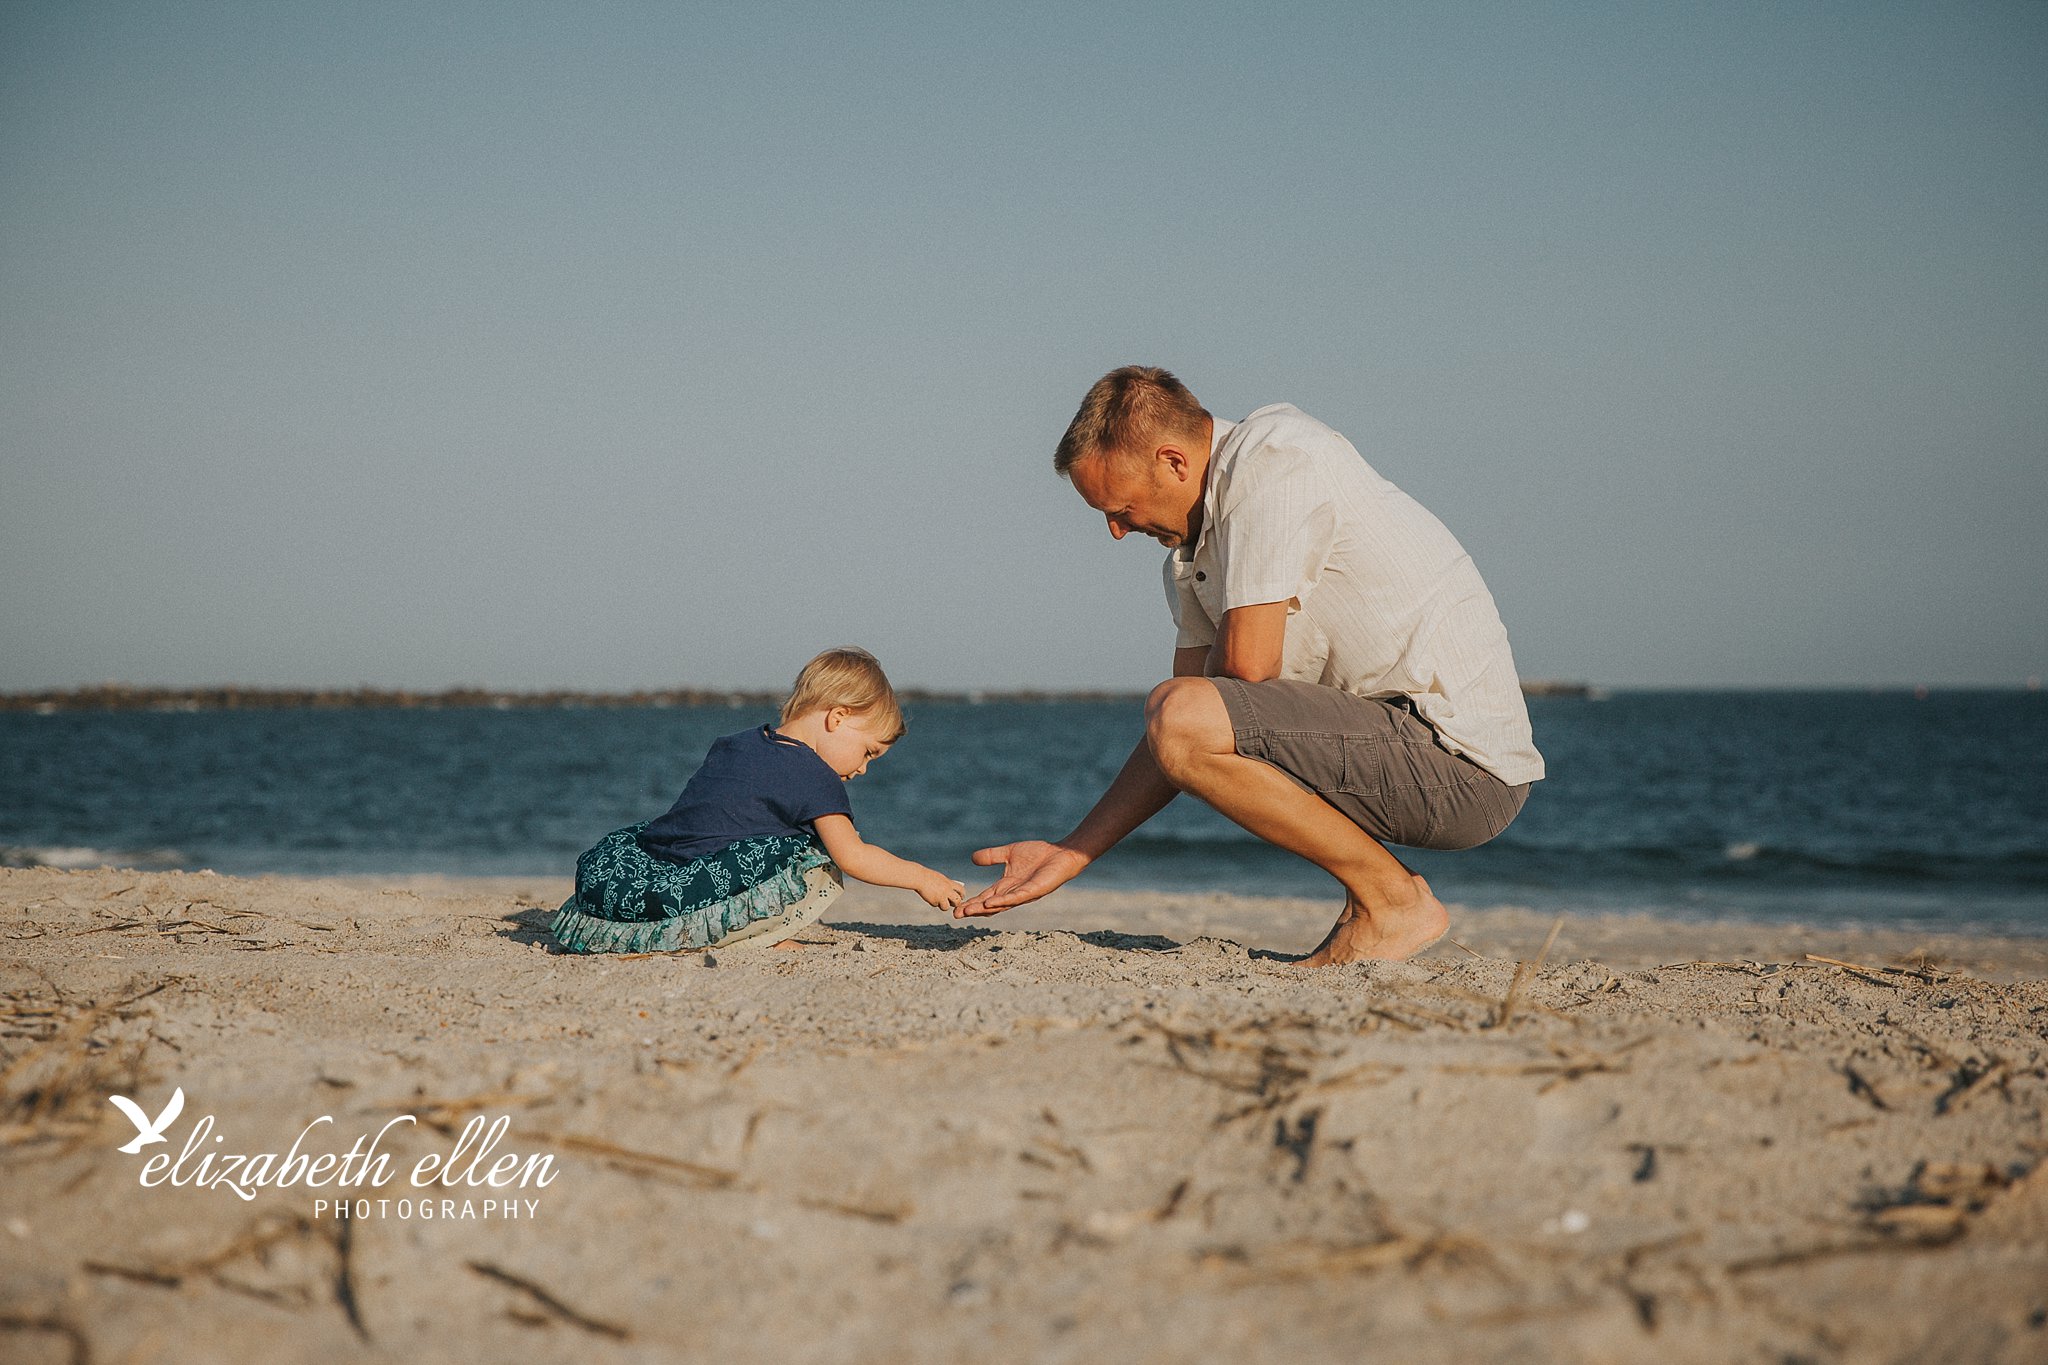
[(1823, 806)]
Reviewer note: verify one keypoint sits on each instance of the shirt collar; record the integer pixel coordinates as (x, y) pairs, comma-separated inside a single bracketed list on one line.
[(1219, 433)]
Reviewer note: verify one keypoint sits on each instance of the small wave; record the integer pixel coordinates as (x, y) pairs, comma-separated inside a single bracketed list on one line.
[(1755, 858), (74, 856), (1738, 859)]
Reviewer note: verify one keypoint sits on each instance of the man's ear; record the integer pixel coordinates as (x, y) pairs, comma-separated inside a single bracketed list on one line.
[(1175, 459)]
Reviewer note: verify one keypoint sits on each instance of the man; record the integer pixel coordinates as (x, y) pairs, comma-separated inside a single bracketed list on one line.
[(1341, 679)]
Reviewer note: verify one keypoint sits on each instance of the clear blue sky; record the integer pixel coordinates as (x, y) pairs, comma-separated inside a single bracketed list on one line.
[(625, 345)]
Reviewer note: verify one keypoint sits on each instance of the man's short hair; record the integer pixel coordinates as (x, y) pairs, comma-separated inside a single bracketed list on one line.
[(851, 678), (1124, 410)]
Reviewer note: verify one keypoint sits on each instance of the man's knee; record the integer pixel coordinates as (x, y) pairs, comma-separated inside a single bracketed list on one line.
[(1185, 719)]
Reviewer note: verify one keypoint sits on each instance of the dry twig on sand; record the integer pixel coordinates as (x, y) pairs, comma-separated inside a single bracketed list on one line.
[(253, 1240), (550, 1302), (1523, 971), (56, 1087), (1272, 1076), (1873, 974), (52, 1325), (1409, 1007), (641, 1163), (891, 1214), (1306, 1259), (1899, 1237), (1569, 1064), (257, 1240), (1935, 1208), (345, 1276), (1973, 1078), (445, 1115)]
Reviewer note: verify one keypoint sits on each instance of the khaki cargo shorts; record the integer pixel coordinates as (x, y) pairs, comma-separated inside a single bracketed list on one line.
[(1372, 758)]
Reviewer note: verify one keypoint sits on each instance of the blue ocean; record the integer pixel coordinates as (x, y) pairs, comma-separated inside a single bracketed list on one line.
[(1880, 808)]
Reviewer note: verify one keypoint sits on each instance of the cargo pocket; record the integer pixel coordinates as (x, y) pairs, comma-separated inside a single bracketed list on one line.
[(1363, 769)]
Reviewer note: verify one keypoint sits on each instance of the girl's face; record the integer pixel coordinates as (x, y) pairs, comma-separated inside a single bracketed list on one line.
[(848, 744)]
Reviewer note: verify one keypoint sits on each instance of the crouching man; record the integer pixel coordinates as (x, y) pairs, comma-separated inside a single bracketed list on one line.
[(1341, 678)]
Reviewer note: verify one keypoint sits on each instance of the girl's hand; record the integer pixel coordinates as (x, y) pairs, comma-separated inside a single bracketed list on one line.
[(939, 891)]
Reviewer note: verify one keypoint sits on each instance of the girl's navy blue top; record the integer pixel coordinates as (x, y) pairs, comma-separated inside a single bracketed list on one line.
[(752, 784)]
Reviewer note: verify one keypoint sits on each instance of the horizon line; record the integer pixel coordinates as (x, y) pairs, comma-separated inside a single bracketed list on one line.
[(114, 696)]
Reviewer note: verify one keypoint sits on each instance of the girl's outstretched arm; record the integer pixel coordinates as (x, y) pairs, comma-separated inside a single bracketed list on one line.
[(871, 863)]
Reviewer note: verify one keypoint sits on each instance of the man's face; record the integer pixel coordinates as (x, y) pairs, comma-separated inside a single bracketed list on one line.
[(1154, 494)]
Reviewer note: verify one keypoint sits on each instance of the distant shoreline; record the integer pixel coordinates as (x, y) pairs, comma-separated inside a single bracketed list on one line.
[(123, 697), (128, 697)]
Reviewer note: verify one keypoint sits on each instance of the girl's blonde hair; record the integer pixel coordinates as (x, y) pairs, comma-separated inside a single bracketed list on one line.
[(851, 678)]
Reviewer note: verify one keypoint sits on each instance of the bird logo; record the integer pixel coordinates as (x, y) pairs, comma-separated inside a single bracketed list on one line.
[(147, 1132)]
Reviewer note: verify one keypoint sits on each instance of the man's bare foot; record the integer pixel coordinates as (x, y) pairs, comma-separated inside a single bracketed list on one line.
[(788, 945), (1392, 933)]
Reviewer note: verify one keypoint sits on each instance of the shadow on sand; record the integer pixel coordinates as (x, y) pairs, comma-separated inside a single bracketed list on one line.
[(529, 925)]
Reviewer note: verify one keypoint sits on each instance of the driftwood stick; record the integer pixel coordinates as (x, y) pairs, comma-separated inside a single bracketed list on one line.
[(550, 1302)]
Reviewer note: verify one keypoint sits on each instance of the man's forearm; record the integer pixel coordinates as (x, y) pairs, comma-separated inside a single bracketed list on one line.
[(1140, 792), (1250, 643)]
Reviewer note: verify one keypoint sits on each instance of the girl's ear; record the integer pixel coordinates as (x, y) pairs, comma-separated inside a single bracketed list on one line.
[(834, 717)]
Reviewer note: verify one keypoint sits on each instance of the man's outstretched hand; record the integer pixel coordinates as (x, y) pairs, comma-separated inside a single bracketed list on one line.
[(1031, 868)]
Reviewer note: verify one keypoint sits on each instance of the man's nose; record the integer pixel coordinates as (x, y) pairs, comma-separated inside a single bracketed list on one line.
[(1117, 530)]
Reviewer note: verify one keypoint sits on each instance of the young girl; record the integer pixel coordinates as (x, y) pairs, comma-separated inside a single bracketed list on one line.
[(753, 849)]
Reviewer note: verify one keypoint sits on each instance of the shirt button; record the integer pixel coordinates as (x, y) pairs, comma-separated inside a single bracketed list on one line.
[(1201, 577)]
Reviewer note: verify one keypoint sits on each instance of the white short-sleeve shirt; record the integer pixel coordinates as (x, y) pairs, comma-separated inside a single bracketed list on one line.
[(1382, 600)]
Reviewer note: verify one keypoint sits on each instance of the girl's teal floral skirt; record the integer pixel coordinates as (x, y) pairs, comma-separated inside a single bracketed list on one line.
[(629, 901)]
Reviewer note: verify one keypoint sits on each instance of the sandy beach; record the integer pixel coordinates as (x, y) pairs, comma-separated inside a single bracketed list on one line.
[(1109, 1127)]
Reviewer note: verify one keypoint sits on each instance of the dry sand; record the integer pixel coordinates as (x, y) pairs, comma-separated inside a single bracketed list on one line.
[(1094, 1130)]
